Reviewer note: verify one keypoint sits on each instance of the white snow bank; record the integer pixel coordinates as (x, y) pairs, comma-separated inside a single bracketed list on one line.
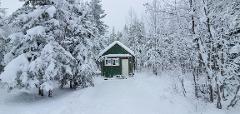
[(15, 68)]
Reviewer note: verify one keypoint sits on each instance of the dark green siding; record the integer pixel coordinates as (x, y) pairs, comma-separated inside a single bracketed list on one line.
[(110, 71)]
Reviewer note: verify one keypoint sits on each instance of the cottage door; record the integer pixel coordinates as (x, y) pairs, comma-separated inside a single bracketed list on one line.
[(125, 67)]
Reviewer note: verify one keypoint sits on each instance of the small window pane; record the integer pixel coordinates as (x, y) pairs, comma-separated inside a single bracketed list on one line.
[(112, 62)]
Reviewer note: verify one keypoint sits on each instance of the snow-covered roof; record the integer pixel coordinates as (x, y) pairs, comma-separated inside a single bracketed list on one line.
[(114, 43)]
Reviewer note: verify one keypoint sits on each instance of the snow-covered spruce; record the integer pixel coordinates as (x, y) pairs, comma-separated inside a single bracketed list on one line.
[(53, 43), (2, 36), (2, 51), (54, 66)]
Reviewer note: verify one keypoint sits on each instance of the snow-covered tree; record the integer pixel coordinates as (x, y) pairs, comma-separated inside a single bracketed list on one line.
[(58, 38), (210, 26), (37, 2), (124, 38), (2, 37), (198, 36), (2, 11), (112, 36), (214, 43), (168, 45), (153, 52), (98, 14), (2, 51), (134, 37), (54, 66)]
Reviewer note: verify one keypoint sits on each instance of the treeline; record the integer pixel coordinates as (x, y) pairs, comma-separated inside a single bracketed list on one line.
[(47, 44), (200, 37)]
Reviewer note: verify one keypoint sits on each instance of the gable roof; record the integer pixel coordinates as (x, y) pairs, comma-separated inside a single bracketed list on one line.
[(113, 44)]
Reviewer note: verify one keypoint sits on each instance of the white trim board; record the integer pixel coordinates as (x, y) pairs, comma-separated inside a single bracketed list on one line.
[(114, 55)]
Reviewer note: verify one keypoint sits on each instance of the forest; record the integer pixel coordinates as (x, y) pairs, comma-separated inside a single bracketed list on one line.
[(49, 44)]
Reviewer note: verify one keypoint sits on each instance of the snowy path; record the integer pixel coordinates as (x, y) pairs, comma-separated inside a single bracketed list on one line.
[(132, 96), (143, 94)]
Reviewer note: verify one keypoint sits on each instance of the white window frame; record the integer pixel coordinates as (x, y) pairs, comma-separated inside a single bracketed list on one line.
[(116, 61), (107, 63), (111, 61)]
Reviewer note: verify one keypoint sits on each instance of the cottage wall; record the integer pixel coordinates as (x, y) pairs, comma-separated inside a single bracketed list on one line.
[(110, 71)]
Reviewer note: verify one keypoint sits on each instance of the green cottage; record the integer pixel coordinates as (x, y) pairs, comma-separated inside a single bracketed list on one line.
[(117, 60)]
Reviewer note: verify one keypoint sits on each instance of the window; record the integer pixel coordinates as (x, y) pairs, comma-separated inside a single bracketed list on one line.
[(112, 62)]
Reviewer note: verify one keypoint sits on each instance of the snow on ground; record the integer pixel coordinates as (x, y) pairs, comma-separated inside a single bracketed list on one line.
[(143, 94)]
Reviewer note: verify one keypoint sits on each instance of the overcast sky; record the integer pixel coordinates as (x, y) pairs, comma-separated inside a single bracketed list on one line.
[(117, 10)]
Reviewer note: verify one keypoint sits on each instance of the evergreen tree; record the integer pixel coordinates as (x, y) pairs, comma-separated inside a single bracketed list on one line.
[(112, 36), (154, 53), (2, 46), (98, 14), (124, 38), (2, 38), (135, 38), (34, 3), (54, 66), (58, 41), (2, 11)]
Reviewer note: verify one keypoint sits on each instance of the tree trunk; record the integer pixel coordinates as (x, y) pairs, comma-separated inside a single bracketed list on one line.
[(223, 92), (210, 93), (71, 84), (219, 104), (183, 87), (191, 2), (40, 91), (155, 71), (195, 82), (50, 93), (196, 70), (235, 99), (210, 50)]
